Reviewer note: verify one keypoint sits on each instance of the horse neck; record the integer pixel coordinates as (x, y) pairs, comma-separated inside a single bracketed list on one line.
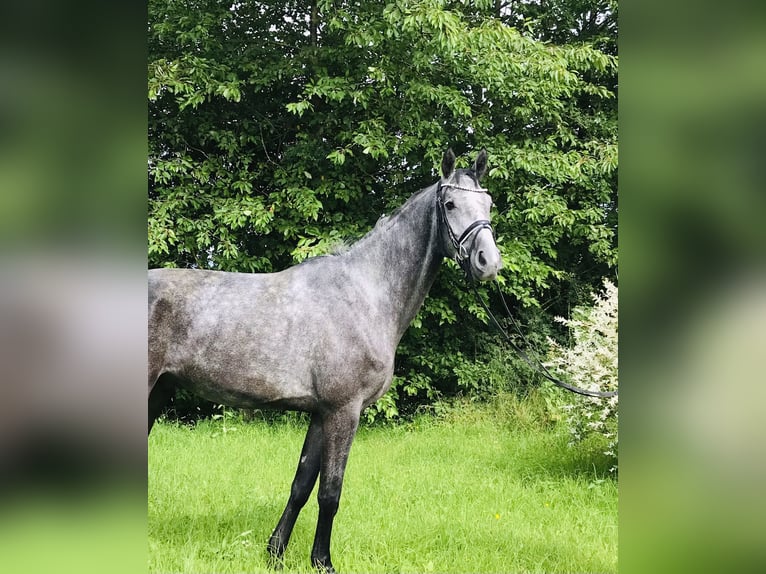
[(401, 258)]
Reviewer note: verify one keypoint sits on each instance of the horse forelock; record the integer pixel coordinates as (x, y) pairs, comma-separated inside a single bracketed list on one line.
[(462, 173)]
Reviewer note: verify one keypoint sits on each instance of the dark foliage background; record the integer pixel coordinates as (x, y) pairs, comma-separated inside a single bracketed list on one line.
[(277, 130)]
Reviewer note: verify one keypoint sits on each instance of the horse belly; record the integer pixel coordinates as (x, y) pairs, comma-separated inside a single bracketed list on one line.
[(243, 389), (230, 370)]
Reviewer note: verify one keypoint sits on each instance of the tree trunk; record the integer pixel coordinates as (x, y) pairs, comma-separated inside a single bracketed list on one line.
[(313, 24)]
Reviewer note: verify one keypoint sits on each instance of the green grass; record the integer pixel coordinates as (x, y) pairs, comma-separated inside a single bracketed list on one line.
[(480, 489)]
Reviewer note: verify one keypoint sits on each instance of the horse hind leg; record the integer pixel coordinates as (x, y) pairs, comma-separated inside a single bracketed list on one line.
[(303, 484), (159, 396)]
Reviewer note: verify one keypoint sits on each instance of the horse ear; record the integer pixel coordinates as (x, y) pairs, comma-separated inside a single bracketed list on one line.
[(448, 163), (480, 166)]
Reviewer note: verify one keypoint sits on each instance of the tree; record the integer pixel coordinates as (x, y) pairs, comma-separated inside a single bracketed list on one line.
[(278, 130)]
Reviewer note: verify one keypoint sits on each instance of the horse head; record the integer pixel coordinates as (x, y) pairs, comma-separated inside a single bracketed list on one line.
[(464, 207)]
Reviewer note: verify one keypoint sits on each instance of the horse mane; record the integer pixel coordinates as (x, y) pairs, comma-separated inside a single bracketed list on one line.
[(343, 246), (384, 221)]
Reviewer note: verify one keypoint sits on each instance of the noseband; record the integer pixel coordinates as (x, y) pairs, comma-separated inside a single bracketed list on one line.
[(459, 243)]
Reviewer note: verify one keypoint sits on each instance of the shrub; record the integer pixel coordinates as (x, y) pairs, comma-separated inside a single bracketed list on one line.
[(591, 363)]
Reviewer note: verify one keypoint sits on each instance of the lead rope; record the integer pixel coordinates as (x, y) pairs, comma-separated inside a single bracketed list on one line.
[(536, 364)]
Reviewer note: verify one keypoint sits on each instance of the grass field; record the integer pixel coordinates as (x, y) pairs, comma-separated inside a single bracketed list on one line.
[(475, 490)]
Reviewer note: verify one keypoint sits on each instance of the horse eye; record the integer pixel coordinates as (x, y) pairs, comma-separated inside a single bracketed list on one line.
[(450, 205)]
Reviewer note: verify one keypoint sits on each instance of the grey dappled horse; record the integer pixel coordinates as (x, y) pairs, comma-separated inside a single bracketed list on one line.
[(320, 336)]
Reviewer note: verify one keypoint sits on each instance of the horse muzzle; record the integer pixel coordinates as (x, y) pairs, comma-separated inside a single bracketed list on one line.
[(485, 260)]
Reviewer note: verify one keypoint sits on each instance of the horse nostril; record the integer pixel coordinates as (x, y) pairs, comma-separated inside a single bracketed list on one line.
[(482, 259)]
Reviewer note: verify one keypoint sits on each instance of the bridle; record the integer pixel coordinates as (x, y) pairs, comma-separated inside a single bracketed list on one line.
[(462, 259), (462, 253)]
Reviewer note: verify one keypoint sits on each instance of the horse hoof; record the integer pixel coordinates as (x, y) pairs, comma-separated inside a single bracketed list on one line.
[(276, 564), (276, 553), (324, 567)]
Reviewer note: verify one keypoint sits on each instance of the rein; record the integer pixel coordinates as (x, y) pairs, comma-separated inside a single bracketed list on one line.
[(536, 364), (462, 259)]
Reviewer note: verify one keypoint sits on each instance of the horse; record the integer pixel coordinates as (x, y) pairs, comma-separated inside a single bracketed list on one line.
[(319, 336)]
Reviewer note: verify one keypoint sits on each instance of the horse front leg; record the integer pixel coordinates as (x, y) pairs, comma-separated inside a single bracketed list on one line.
[(338, 430), (303, 484)]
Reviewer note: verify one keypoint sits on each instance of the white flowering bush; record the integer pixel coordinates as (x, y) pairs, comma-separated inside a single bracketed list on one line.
[(591, 363)]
